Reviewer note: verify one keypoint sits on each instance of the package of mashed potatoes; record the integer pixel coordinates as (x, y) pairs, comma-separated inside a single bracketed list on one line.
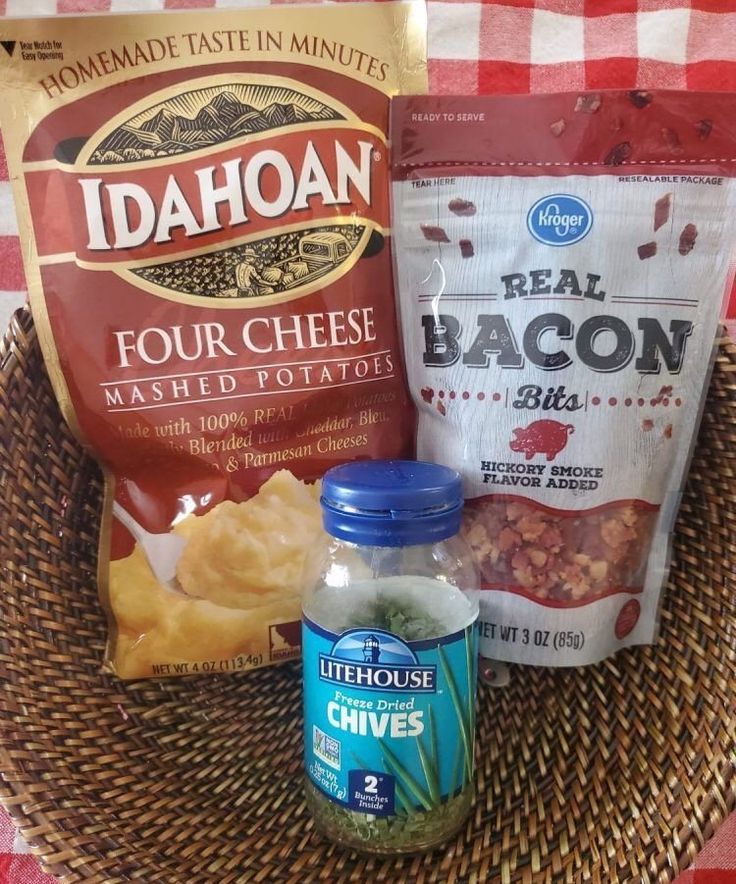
[(203, 202), (562, 264)]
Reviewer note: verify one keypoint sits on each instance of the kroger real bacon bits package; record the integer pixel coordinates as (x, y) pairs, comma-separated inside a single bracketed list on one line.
[(204, 207), (562, 263)]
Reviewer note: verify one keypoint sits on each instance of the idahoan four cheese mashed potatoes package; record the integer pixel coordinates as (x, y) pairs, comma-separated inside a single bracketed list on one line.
[(203, 202), (562, 260)]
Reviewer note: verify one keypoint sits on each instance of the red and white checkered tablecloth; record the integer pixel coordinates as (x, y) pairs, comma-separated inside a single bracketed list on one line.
[(495, 46), (491, 46)]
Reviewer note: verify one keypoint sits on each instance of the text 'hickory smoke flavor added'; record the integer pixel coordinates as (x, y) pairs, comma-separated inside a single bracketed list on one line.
[(203, 201), (562, 261)]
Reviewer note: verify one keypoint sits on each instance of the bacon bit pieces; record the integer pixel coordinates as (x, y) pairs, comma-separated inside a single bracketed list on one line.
[(552, 556), (640, 99), (629, 516), (466, 248), (538, 557), (672, 141), (662, 210), (647, 250), (434, 233), (531, 528), (647, 425), (441, 408), (558, 127), (461, 207), (588, 104), (687, 239), (508, 539), (704, 128), (667, 432), (618, 154), (615, 532), (427, 394), (599, 569)]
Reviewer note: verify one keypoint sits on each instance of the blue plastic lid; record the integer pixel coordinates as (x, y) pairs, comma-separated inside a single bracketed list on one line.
[(391, 502)]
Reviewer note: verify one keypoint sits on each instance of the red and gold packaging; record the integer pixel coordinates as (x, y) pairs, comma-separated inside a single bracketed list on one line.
[(203, 202)]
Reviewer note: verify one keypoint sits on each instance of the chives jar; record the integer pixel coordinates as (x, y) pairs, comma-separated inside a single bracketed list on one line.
[(390, 659)]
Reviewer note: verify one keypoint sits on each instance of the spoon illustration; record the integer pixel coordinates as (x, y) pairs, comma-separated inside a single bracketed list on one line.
[(161, 550)]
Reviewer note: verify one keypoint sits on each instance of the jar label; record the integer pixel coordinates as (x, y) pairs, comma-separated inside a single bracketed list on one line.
[(388, 725)]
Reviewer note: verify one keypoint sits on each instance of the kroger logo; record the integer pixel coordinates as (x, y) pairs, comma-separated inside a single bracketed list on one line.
[(559, 220), (376, 660)]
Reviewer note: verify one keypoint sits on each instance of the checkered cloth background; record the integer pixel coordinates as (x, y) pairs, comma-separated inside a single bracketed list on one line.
[(493, 46)]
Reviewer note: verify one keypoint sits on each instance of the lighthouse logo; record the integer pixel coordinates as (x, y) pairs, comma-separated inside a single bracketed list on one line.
[(371, 649), (376, 660)]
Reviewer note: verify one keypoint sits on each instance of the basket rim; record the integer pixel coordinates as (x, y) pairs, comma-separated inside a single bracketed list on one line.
[(68, 862)]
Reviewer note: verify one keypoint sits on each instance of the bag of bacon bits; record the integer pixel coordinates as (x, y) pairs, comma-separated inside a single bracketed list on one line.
[(203, 200), (562, 263)]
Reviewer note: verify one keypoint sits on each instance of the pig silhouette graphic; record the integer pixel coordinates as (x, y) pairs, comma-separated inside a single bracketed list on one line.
[(541, 437)]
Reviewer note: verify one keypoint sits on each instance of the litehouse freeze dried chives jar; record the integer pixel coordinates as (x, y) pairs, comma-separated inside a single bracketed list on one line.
[(390, 659)]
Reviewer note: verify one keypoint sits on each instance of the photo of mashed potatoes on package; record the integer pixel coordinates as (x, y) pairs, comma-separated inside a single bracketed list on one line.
[(237, 576), (203, 203)]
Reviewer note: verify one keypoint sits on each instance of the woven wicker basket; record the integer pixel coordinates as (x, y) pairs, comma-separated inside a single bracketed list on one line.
[(618, 772)]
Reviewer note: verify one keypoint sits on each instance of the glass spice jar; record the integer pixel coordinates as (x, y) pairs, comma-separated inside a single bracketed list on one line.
[(390, 659)]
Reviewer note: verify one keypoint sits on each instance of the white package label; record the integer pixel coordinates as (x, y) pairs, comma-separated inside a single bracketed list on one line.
[(558, 336)]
